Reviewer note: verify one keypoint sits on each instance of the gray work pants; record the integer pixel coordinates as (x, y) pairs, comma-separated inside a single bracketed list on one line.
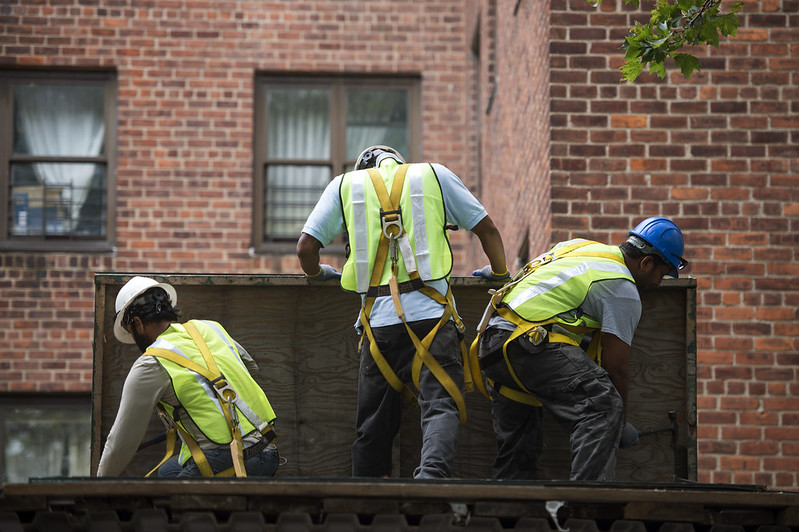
[(379, 405), (574, 389)]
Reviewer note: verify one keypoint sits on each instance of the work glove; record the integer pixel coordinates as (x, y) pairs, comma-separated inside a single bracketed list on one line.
[(629, 436), (487, 273), (326, 272)]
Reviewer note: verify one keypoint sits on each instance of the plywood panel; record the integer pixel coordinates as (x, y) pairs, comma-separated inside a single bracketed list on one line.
[(302, 338)]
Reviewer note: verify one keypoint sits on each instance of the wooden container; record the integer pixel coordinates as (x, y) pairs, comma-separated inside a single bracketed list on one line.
[(304, 342)]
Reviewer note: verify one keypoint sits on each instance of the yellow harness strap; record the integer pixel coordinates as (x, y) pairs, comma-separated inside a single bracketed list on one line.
[(390, 204), (171, 439)]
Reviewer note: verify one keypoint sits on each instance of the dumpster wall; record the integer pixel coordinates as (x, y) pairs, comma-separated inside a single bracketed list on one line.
[(302, 338)]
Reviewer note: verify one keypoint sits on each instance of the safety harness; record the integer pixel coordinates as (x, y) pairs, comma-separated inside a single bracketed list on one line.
[(536, 332), (231, 404), (394, 241)]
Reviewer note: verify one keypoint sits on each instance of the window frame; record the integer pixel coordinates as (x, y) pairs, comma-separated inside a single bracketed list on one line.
[(338, 85), (108, 80)]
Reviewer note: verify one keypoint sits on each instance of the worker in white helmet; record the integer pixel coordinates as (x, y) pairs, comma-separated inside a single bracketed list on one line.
[(396, 216), (199, 379)]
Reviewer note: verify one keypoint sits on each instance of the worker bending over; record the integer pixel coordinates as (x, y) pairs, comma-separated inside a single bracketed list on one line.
[(396, 216), (199, 380), (531, 355)]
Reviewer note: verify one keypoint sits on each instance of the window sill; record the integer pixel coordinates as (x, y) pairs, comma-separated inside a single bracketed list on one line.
[(52, 246)]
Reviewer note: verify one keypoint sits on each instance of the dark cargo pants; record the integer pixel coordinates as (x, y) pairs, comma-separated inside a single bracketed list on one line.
[(379, 405), (574, 389)]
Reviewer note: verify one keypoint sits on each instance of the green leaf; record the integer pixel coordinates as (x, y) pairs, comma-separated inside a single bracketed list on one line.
[(631, 69), (687, 64), (709, 34), (728, 24), (659, 69)]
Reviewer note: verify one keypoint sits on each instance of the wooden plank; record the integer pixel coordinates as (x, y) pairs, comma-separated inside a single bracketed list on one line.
[(718, 496), (303, 339)]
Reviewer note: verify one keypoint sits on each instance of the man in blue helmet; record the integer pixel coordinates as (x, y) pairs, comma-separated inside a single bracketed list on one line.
[(531, 356)]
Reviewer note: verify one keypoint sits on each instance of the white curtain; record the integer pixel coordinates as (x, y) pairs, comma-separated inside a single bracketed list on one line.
[(298, 129), (63, 121), (376, 116)]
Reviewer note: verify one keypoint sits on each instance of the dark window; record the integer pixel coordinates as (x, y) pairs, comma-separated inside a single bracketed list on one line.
[(57, 151), (45, 436), (309, 130)]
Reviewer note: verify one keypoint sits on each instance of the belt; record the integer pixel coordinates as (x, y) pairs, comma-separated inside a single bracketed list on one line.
[(552, 338), (266, 438), (255, 448), (385, 290)]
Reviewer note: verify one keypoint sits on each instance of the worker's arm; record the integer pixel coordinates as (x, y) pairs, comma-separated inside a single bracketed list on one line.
[(492, 244), (616, 361), (308, 252), (144, 386)]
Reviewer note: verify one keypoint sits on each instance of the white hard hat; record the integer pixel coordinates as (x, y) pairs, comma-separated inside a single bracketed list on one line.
[(133, 289), (369, 158)]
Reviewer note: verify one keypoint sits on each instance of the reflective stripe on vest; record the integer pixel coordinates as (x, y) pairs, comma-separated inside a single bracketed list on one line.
[(560, 286), (197, 395), (423, 217)]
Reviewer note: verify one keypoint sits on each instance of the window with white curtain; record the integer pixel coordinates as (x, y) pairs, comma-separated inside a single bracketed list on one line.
[(57, 154), (309, 130)]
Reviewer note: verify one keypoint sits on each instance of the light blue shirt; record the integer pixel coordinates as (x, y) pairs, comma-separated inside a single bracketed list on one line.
[(326, 222)]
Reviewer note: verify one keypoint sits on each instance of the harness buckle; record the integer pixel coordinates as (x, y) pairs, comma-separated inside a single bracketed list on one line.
[(537, 335), (390, 220), (225, 391)]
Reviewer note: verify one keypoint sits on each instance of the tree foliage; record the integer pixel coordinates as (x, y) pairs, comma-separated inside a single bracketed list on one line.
[(673, 26)]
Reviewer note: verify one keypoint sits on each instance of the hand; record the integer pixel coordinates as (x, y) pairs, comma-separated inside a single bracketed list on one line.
[(629, 436), (487, 273), (326, 272)]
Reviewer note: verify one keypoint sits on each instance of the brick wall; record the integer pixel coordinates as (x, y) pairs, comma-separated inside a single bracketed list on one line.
[(185, 126), (718, 153), (513, 110)]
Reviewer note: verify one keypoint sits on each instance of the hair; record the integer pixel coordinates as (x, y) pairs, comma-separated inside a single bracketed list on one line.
[(629, 249), (152, 306)]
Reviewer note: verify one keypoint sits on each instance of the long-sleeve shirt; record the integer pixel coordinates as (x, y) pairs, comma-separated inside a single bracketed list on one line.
[(146, 384)]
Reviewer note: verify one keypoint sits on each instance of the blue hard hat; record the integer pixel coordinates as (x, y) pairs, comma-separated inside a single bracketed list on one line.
[(660, 236)]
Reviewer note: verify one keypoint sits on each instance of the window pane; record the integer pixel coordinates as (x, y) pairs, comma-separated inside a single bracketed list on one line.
[(46, 443), (57, 199), (377, 117), (59, 120), (298, 124), (291, 193)]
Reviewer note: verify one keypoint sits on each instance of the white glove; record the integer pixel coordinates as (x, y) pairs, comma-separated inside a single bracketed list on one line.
[(629, 436), (326, 272)]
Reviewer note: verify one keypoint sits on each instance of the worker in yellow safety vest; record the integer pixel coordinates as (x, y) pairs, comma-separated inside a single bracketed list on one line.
[(199, 380), (530, 347), (396, 216)]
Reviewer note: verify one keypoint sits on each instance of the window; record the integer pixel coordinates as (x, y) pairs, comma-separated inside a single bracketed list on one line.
[(45, 437), (57, 141), (309, 130)]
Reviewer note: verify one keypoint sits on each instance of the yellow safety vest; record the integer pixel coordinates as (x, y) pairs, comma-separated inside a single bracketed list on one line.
[(422, 215), (213, 386), (550, 290), (555, 290)]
